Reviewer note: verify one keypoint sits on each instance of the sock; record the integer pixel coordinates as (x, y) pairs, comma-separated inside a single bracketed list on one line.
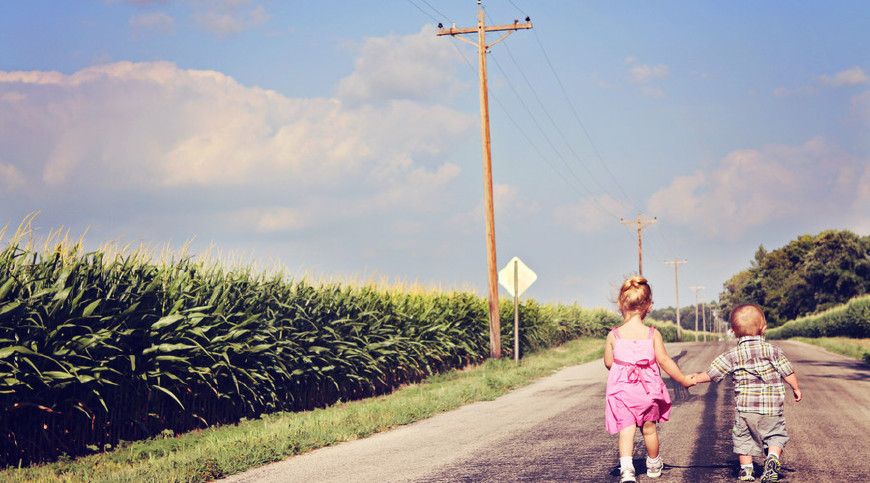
[(773, 454), (625, 462), (651, 461), (747, 466)]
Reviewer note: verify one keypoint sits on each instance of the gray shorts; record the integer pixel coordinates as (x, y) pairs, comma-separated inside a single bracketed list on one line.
[(753, 433)]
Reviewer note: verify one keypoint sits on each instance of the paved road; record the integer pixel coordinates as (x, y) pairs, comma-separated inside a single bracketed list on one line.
[(553, 430)]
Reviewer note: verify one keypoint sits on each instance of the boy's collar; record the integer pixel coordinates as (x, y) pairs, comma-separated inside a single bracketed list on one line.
[(747, 338)]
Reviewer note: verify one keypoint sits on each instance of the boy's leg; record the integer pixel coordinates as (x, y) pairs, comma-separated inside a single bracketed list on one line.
[(746, 468), (747, 443), (775, 437)]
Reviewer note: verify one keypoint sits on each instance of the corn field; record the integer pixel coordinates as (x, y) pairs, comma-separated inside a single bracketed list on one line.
[(97, 348)]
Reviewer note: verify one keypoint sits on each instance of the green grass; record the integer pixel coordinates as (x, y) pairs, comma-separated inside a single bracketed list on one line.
[(854, 348), (212, 453)]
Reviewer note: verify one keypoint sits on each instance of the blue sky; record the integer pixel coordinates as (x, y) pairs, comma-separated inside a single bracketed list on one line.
[(343, 138)]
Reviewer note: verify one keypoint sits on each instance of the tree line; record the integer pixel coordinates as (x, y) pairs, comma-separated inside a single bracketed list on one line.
[(810, 274)]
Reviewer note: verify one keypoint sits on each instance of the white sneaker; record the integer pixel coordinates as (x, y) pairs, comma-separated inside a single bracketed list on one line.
[(627, 475), (654, 470)]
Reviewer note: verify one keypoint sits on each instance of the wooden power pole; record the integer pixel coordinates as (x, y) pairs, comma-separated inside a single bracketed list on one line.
[(696, 288), (676, 264), (641, 224), (482, 48)]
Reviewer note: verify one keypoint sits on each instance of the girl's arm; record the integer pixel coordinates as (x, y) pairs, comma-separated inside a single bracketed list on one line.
[(608, 350), (667, 363)]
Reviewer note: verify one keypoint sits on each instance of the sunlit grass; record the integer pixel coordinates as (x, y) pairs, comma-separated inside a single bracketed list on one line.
[(854, 348)]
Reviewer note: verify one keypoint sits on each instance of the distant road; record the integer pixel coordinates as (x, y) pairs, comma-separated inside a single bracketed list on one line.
[(553, 430)]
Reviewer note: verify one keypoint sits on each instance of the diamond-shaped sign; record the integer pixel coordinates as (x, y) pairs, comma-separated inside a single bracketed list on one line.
[(516, 273)]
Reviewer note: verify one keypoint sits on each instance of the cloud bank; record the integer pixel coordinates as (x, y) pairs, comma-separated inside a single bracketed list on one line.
[(753, 187), (150, 128)]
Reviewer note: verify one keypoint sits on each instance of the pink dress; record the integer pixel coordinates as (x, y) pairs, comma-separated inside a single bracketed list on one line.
[(635, 390)]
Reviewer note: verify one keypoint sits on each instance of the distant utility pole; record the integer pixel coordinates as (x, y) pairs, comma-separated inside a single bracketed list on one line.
[(696, 288), (704, 318), (482, 49), (676, 264), (641, 224)]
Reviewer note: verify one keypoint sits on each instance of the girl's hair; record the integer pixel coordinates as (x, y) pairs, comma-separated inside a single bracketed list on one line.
[(635, 295)]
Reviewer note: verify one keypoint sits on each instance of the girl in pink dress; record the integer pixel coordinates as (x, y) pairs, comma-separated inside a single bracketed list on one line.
[(636, 394)]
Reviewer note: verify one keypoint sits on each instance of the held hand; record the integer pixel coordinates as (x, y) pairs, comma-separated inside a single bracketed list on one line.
[(689, 381)]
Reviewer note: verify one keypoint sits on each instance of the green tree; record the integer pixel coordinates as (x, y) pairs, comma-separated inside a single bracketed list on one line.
[(810, 274)]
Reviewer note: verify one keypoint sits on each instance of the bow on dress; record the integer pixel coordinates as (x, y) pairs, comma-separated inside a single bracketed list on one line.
[(635, 375)]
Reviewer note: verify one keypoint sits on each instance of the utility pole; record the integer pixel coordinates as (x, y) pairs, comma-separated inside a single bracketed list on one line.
[(641, 224), (696, 288), (676, 264), (482, 49), (704, 318)]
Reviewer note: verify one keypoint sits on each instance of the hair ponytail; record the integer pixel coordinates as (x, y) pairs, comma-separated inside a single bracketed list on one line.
[(635, 295)]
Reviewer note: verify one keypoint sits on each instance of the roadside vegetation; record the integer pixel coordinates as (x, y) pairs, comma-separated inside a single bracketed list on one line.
[(811, 274), (855, 348), (215, 452), (117, 345)]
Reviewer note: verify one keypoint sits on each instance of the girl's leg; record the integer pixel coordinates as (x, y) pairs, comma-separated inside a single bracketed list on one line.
[(650, 438), (626, 441)]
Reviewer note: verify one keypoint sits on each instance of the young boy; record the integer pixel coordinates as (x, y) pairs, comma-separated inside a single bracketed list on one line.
[(758, 369)]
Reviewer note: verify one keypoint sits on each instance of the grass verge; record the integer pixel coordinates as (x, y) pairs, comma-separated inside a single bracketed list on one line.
[(216, 452), (854, 348)]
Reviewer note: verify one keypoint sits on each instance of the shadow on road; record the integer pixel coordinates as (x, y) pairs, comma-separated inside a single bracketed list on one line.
[(859, 369)]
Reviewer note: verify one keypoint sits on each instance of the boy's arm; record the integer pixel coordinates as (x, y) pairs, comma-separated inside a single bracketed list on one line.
[(701, 377), (792, 381)]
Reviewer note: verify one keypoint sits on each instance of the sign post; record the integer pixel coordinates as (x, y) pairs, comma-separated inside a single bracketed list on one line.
[(516, 277)]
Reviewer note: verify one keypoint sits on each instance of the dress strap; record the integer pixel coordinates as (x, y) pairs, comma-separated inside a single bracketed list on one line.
[(652, 330), (615, 331)]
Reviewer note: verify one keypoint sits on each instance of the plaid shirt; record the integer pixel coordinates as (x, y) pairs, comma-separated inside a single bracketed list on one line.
[(758, 369)]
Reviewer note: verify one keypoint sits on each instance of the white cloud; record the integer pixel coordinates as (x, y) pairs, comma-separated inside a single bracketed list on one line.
[(849, 77), (861, 108), (645, 73), (653, 92), (786, 92), (11, 178), (589, 215), (157, 21), (152, 127), (754, 187), (222, 21), (509, 203), (272, 219), (416, 67)]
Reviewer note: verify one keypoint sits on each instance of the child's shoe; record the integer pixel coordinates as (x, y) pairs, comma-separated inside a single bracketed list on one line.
[(771, 469), (654, 467), (745, 474), (627, 475)]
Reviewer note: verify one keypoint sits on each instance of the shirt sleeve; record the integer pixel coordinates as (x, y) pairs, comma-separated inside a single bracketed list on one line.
[(720, 367), (781, 363)]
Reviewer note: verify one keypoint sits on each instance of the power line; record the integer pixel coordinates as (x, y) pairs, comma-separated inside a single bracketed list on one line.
[(423, 11), (550, 142), (580, 123)]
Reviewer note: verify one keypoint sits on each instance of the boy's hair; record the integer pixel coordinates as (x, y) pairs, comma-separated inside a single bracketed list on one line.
[(635, 295), (747, 319)]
